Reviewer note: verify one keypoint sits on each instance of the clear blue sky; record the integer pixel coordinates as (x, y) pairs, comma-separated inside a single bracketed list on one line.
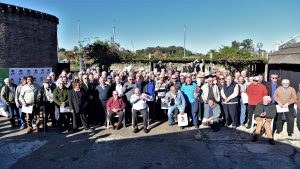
[(210, 23)]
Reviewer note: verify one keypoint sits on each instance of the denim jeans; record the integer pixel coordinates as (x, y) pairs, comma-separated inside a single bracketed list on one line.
[(194, 112), (22, 118), (171, 111), (243, 112), (12, 112)]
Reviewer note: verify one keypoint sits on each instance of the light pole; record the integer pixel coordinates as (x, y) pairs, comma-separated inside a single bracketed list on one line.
[(184, 37), (210, 57), (81, 62)]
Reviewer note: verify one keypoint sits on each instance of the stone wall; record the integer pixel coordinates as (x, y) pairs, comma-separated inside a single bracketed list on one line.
[(28, 38)]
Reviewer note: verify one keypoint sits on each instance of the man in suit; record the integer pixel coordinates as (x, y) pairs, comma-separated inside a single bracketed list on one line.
[(89, 91)]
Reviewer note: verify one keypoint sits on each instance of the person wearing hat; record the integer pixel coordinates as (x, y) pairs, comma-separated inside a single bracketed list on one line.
[(199, 109), (46, 103), (109, 81), (255, 92), (160, 66)]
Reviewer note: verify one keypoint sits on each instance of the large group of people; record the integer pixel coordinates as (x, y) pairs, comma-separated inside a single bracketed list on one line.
[(116, 98)]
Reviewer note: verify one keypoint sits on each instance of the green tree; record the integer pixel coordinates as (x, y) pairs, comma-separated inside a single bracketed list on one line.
[(247, 44)]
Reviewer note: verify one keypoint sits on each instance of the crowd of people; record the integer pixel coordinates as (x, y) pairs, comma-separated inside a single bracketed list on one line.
[(116, 98)]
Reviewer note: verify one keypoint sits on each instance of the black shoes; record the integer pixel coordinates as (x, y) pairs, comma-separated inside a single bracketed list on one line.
[(146, 130), (216, 127), (271, 141), (254, 138), (171, 124), (290, 134), (135, 130), (278, 132)]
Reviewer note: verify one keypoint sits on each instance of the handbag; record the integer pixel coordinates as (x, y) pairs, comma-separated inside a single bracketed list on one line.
[(182, 120)]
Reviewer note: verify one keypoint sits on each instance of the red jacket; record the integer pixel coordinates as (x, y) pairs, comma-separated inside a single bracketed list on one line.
[(256, 93), (112, 103)]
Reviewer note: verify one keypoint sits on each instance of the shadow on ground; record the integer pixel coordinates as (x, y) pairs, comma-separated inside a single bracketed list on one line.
[(163, 148)]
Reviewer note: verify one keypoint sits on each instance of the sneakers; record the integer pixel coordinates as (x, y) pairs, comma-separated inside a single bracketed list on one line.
[(89, 130), (22, 127), (271, 141)]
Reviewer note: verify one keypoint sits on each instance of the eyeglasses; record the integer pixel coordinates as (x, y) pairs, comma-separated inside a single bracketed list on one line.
[(221, 78), (130, 79), (274, 77), (173, 78)]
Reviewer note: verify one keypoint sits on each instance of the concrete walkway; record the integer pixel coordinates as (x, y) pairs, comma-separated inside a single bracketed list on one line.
[(163, 148)]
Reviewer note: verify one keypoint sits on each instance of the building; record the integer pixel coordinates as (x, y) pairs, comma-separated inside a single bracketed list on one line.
[(286, 63), (28, 38)]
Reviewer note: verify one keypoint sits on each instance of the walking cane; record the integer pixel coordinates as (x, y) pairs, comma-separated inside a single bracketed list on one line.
[(264, 121), (44, 121)]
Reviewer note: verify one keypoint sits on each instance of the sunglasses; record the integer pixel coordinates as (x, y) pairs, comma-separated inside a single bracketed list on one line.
[(129, 79), (221, 78)]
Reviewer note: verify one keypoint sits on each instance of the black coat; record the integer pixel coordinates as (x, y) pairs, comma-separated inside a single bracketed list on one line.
[(74, 101)]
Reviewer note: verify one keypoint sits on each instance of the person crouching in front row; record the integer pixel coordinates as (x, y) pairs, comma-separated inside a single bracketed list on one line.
[(212, 114), (264, 112)]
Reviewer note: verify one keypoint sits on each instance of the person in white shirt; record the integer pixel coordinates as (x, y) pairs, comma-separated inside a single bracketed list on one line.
[(139, 104), (118, 86)]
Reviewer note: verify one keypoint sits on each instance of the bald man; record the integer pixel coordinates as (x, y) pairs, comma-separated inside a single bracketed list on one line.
[(139, 104), (285, 96), (175, 100)]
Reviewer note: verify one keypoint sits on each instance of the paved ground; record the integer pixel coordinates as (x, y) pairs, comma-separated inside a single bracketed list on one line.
[(164, 147)]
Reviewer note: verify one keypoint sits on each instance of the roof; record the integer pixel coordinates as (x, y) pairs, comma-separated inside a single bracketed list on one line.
[(288, 55)]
